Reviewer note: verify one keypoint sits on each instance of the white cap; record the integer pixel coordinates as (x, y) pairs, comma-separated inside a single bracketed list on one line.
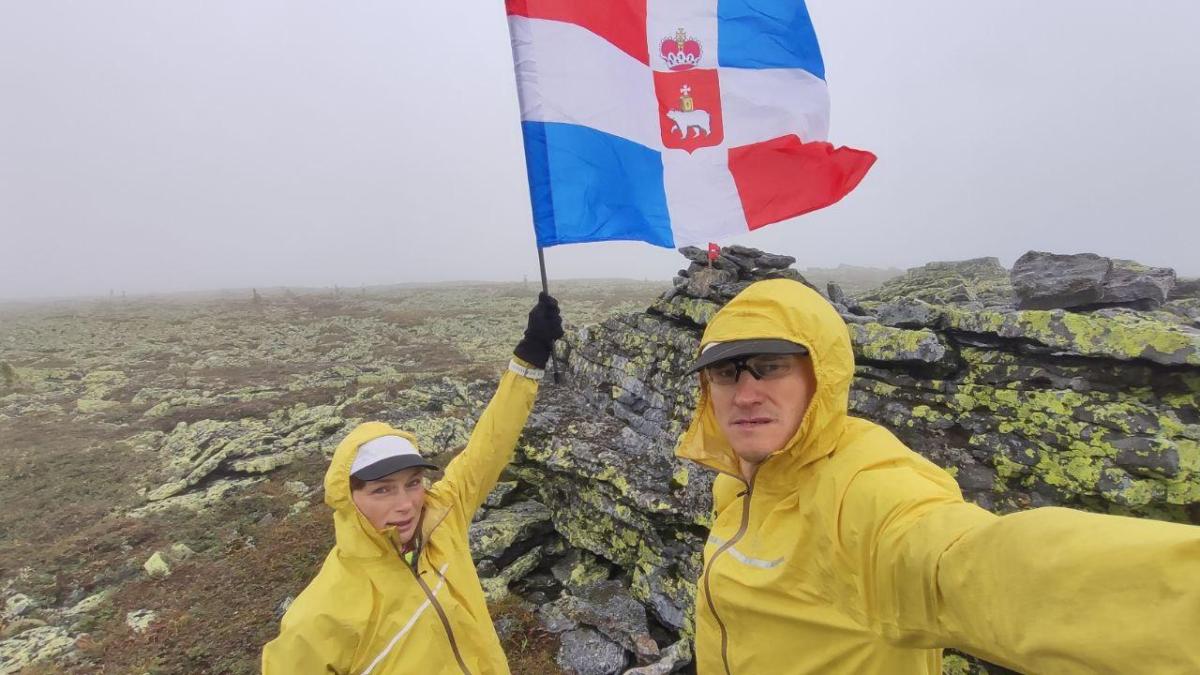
[(385, 455)]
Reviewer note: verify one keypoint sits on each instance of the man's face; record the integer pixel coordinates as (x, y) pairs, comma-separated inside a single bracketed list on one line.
[(395, 501), (759, 416)]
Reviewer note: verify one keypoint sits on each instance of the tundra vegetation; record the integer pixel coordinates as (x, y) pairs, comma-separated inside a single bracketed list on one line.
[(161, 459)]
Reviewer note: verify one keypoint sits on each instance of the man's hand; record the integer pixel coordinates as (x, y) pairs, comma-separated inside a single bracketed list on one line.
[(544, 327)]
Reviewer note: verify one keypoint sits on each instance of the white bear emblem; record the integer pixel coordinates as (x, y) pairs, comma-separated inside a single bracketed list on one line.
[(686, 121)]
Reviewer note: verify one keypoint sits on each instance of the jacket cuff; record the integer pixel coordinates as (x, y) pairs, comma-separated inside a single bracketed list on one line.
[(525, 369)]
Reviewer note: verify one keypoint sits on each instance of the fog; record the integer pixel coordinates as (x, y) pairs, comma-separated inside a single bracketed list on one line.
[(168, 146)]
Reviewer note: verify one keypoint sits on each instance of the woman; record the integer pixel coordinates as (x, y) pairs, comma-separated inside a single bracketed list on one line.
[(398, 593)]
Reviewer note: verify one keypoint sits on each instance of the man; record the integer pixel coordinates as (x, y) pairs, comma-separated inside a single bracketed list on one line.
[(836, 549), (398, 593)]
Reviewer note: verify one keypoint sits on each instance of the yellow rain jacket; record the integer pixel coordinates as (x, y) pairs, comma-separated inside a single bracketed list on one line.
[(367, 610), (849, 553)]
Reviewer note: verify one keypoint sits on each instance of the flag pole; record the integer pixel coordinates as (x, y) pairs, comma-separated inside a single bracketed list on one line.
[(546, 290), (542, 264)]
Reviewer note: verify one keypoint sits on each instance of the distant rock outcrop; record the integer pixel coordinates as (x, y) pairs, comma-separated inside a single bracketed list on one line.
[(1086, 280), (1185, 289), (977, 283)]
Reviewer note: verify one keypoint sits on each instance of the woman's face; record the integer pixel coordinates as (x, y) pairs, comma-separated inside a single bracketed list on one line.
[(394, 501)]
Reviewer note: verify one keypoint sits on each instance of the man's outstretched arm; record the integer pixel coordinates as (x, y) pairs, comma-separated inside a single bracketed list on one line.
[(1049, 590)]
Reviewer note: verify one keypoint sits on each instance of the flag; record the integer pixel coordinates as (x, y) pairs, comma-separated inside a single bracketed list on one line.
[(674, 122)]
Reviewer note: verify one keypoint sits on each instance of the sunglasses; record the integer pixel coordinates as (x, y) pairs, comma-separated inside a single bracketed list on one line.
[(760, 366)]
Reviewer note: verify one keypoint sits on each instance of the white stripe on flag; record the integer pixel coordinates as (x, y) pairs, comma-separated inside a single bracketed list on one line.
[(582, 79), (758, 105), (702, 197)]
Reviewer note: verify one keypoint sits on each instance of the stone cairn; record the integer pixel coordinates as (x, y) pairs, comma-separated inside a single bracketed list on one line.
[(1089, 401), (733, 269)]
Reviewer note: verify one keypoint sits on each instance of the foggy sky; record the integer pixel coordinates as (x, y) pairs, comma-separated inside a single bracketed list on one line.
[(163, 146)]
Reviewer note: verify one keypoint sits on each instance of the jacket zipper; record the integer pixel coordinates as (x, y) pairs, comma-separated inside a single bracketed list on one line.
[(712, 561), (436, 606)]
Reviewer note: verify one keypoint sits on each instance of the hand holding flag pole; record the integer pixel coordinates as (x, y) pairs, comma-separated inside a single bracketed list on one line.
[(546, 290)]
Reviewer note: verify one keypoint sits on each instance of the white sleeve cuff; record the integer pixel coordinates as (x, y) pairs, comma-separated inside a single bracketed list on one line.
[(531, 373)]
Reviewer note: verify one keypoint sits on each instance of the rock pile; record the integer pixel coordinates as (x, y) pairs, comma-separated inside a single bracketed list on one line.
[(734, 268), (1094, 409), (508, 543), (247, 446)]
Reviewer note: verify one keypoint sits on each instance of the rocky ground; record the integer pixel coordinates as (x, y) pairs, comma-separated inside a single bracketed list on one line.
[(161, 460), (159, 456)]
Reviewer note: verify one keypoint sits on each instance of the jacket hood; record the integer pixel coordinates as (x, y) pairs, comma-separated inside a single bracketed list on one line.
[(787, 310), (355, 535)]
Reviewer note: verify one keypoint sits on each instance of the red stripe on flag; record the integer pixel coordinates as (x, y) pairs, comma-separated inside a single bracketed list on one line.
[(783, 177), (621, 22)]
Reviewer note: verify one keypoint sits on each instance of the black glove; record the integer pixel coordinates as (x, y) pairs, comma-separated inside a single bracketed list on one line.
[(544, 327)]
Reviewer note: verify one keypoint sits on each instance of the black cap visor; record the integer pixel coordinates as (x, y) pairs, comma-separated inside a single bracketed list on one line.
[(390, 465), (735, 348)]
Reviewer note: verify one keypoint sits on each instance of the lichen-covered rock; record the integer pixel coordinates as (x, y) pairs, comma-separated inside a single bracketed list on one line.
[(907, 313), (198, 500), (495, 588), (98, 384), (17, 605), (157, 566), (89, 604), (34, 646), (703, 282), (619, 492), (500, 529), (1025, 408), (1049, 281), (836, 295), (140, 620), (579, 569), (876, 343), (499, 496), (1185, 289), (1131, 283), (696, 311), (734, 268), (1111, 334), (20, 626), (89, 406), (584, 651), (980, 282), (179, 551), (607, 607), (248, 446), (296, 488), (8, 375), (672, 659)]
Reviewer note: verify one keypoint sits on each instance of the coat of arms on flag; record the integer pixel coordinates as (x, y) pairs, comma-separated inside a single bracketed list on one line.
[(689, 98), (673, 121)]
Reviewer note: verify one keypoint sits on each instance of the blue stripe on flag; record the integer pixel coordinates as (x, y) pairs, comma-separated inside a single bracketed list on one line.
[(767, 34), (586, 185)]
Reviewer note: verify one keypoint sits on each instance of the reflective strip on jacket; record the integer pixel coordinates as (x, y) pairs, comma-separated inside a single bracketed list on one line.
[(367, 611), (850, 553)]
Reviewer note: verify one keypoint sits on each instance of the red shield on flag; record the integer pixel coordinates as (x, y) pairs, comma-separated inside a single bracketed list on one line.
[(689, 109)]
